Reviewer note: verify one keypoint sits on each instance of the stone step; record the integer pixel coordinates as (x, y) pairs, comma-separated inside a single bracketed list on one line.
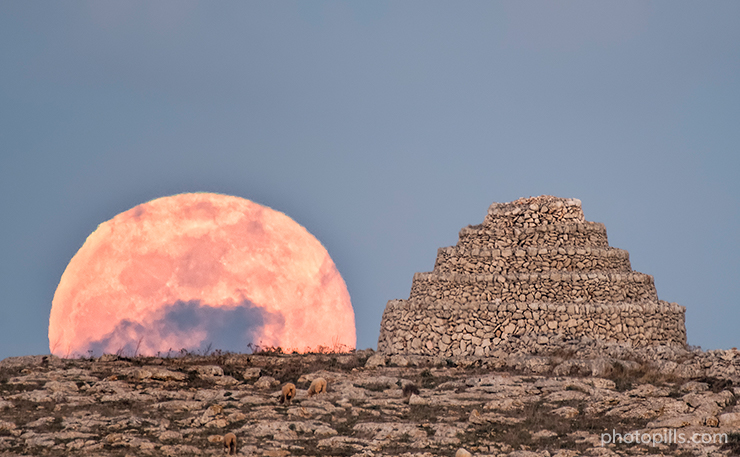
[(554, 286), (445, 309), (591, 234), (445, 327), (532, 212), (455, 259)]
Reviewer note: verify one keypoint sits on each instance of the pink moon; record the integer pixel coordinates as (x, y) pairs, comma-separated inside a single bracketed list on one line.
[(200, 270)]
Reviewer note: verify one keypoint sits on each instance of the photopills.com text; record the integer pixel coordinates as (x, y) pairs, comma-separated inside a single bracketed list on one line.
[(669, 436)]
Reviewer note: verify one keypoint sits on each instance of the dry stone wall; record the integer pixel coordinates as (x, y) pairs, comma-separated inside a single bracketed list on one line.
[(533, 259), (553, 235), (537, 267)]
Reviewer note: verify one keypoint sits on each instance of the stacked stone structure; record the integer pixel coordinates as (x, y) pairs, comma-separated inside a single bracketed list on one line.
[(534, 267)]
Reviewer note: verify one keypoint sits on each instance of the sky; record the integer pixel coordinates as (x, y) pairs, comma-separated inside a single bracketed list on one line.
[(382, 127)]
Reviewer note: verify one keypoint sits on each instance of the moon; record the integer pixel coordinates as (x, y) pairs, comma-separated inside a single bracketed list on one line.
[(199, 270)]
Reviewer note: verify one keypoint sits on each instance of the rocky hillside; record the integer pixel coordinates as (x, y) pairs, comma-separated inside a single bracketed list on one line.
[(559, 399)]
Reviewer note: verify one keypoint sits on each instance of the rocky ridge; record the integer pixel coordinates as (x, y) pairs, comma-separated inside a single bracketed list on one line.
[(524, 400)]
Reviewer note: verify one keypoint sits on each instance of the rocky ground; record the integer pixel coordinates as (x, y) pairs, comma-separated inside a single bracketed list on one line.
[(560, 399)]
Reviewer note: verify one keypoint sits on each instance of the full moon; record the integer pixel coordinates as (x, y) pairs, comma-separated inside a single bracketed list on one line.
[(196, 271)]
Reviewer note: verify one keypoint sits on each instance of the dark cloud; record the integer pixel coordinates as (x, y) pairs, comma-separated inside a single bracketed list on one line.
[(229, 329)]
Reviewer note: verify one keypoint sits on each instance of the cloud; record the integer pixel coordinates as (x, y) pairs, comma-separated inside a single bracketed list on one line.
[(190, 325)]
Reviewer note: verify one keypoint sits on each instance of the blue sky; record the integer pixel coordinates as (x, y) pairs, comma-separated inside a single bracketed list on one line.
[(382, 127)]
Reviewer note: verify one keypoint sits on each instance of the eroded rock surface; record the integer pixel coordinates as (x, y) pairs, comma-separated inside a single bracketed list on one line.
[(558, 400)]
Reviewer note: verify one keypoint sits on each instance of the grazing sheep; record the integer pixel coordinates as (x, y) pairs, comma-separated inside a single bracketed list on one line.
[(463, 453), (409, 390), (230, 444), (317, 386), (288, 393)]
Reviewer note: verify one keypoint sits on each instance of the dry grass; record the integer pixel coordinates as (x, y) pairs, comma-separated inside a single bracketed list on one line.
[(733, 443), (625, 378), (536, 417)]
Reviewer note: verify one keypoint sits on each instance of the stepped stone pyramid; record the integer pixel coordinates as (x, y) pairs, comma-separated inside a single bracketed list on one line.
[(534, 267)]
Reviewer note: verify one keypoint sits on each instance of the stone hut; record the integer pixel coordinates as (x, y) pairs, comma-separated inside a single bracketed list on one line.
[(534, 266)]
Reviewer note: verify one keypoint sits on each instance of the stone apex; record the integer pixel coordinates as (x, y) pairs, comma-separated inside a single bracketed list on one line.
[(532, 211)]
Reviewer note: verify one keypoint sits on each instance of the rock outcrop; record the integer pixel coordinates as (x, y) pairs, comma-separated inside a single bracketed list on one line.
[(536, 267), (564, 401)]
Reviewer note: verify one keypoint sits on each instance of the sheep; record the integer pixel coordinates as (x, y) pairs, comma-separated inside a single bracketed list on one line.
[(230, 444), (317, 386), (409, 390), (288, 393)]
